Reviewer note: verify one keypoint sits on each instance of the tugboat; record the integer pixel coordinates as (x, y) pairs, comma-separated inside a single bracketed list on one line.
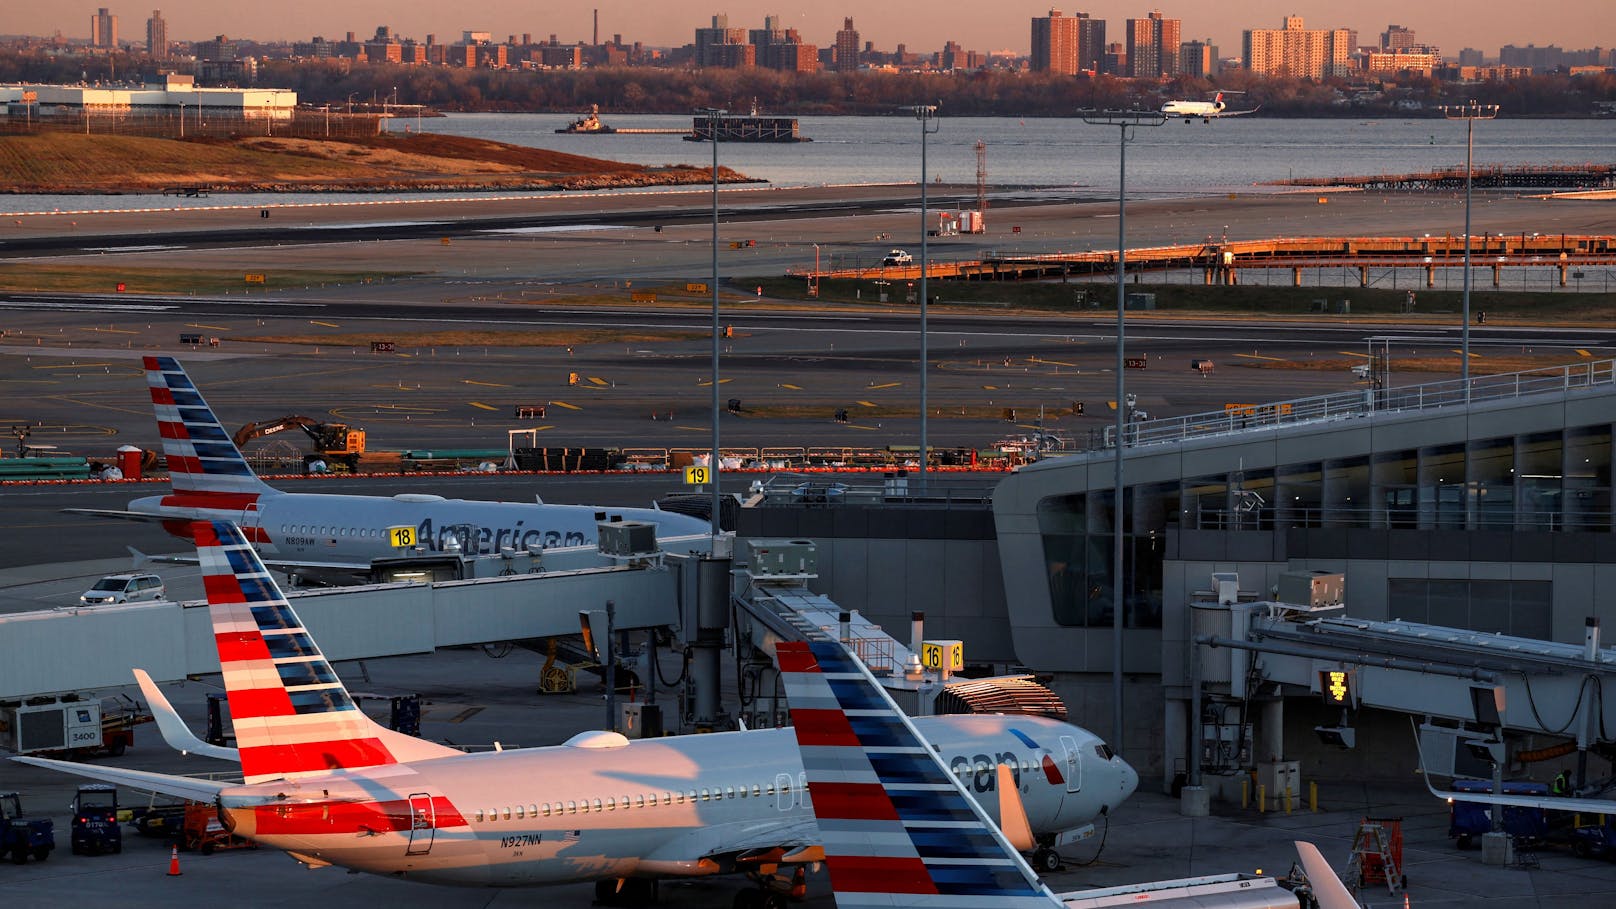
[(588, 124)]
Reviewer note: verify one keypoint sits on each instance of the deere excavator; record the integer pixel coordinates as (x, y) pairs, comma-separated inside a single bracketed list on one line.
[(338, 444)]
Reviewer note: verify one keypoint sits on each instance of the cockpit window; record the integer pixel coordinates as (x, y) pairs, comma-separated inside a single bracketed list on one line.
[(1104, 751)]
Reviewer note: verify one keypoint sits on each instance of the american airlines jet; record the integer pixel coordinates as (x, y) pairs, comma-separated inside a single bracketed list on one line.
[(329, 786), (898, 829), (316, 535)]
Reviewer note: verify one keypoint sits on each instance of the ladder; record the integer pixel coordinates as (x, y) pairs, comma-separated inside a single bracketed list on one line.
[(1373, 859)]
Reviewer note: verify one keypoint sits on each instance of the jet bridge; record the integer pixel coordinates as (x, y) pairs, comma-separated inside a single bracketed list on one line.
[(1472, 686), (774, 603)]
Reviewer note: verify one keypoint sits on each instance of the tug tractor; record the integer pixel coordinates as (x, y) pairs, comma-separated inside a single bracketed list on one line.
[(95, 820), (22, 836)]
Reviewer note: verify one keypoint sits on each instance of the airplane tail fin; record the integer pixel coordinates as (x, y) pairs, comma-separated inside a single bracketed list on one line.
[(897, 828), (204, 465), (292, 715), (1328, 890)]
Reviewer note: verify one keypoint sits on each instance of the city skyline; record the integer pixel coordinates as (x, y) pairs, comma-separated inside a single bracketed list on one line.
[(1570, 24)]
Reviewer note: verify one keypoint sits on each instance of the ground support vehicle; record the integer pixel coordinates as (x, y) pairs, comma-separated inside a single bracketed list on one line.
[(21, 835), (95, 820)]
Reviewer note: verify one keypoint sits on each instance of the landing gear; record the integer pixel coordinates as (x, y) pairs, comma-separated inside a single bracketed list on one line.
[(627, 891), (1046, 859)]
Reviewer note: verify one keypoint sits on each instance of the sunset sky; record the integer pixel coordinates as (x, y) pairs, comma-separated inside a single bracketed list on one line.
[(921, 24)]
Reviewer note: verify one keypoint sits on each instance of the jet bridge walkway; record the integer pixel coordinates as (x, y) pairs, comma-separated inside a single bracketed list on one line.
[(1516, 684)]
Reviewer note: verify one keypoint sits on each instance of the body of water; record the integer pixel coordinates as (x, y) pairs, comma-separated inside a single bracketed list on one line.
[(1228, 155)]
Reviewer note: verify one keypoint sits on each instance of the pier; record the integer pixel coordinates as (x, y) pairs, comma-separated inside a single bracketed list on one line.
[(1580, 176), (1221, 263)]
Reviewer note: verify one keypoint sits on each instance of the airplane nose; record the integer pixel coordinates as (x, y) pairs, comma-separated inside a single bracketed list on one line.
[(1130, 779)]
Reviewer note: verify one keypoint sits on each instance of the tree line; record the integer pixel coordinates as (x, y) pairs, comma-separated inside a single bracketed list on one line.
[(978, 93)]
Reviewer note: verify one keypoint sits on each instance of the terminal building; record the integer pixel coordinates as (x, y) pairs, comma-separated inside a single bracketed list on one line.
[(1492, 514)]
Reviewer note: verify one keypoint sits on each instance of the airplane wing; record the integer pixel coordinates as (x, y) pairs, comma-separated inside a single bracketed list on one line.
[(1546, 802), (119, 513), (178, 736), (740, 846), (181, 786), (1239, 113)]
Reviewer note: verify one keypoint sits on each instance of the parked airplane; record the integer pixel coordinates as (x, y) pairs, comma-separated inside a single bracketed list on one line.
[(1203, 110), (898, 829), (329, 786), (317, 536)]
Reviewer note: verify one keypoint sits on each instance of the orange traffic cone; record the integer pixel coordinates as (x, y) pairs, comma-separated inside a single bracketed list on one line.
[(174, 862), (1405, 901)]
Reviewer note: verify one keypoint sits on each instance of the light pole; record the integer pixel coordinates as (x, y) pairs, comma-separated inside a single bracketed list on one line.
[(1124, 120), (1469, 113), (713, 113), (925, 113)]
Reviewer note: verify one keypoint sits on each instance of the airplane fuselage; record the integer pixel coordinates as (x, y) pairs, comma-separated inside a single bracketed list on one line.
[(653, 808), (355, 530)]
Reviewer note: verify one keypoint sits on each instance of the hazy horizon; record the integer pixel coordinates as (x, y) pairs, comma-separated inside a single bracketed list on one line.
[(923, 27)]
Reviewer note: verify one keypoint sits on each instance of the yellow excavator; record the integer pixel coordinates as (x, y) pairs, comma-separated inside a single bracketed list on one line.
[(338, 444)]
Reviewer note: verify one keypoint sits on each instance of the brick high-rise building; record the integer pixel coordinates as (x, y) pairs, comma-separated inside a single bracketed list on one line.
[(1297, 51), (847, 47), (1397, 38), (1153, 47), (1198, 58), (723, 46), (103, 29), (1054, 44), (157, 36)]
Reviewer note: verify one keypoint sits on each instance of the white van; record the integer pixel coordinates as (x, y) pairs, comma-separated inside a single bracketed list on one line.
[(124, 588)]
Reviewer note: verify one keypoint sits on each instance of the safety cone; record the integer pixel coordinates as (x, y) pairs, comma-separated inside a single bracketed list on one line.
[(1405, 901), (174, 862)]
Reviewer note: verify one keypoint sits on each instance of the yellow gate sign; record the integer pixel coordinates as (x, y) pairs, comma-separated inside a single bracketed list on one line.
[(401, 536), (254, 279), (642, 296), (698, 476), (695, 287), (939, 655)]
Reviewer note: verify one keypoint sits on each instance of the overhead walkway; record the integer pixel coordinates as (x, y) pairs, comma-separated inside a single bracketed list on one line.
[(82, 649)]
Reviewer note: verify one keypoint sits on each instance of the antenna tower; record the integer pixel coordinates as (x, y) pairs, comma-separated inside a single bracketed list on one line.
[(982, 177)]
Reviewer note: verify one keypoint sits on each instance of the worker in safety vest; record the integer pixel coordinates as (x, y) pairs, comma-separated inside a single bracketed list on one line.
[(1562, 784)]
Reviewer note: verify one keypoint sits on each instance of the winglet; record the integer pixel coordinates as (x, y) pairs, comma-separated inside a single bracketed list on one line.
[(1012, 814), (1327, 887), (175, 732)]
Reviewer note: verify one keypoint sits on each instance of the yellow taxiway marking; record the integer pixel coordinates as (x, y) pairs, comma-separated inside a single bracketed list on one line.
[(1473, 354), (867, 404), (483, 384), (73, 366), (1111, 404), (1354, 353), (326, 324), (799, 387), (396, 387), (599, 381), (1050, 362), (481, 406), (1583, 353), (566, 405), (1260, 357), (114, 331), (990, 388), (704, 383), (887, 385), (211, 327)]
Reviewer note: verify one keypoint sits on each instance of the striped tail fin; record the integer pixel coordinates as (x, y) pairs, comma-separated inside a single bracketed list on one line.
[(292, 715), (204, 465), (897, 828)]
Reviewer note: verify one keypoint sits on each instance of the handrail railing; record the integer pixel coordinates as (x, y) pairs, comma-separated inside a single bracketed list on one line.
[(1349, 404)]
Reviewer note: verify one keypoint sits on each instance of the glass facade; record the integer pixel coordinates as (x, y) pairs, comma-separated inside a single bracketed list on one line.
[(1553, 481)]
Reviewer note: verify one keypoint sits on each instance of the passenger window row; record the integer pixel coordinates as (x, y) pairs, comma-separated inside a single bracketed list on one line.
[(626, 802), (369, 533)]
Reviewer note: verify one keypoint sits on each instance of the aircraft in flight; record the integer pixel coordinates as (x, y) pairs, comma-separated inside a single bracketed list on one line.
[(898, 829), (331, 787), (1203, 110), (337, 538)]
